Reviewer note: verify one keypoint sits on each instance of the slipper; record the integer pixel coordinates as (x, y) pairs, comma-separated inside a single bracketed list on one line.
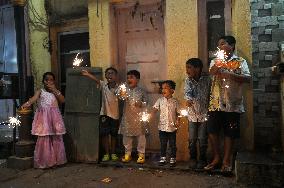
[(226, 170), (211, 166)]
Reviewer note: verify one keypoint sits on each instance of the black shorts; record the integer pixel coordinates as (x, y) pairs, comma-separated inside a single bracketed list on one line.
[(108, 126), (229, 121)]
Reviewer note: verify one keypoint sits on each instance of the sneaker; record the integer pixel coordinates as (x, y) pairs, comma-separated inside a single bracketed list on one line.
[(114, 157), (162, 161), (200, 164), (105, 158), (172, 162), (192, 164), (126, 158), (141, 159)]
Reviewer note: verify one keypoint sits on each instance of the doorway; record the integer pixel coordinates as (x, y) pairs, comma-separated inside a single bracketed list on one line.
[(214, 21), (141, 46)]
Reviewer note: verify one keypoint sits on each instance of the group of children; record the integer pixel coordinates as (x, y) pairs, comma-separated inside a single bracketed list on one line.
[(218, 93)]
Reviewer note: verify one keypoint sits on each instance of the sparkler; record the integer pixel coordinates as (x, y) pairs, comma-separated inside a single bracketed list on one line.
[(77, 61), (122, 91), (14, 122), (183, 113), (144, 116), (221, 55)]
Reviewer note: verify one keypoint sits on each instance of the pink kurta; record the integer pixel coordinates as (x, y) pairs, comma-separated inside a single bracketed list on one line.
[(48, 125)]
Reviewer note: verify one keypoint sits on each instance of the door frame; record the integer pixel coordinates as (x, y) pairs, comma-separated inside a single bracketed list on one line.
[(202, 27), (75, 25)]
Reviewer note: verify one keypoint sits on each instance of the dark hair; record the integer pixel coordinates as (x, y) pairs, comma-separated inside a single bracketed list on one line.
[(230, 40), (111, 68), (171, 83), (195, 62), (47, 73), (135, 73)]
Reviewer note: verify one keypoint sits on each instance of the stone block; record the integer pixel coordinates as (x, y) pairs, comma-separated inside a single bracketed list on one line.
[(20, 163), (253, 1), (267, 20), (267, 6), (268, 46), (260, 74), (278, 35), (254, 13), (281, 17), (268, 31), (268, 57), (275, 82), (264, 12), (281, 24), (264, 63), (277, 9), (255, 24), (264, 38), (257, 5), (275, 108), (272, 88), (254, 38)]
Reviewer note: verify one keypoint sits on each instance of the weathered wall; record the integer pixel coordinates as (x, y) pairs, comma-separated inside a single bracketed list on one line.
[(267, 35), (181, 36), (99, 31), (241, 29), (38, 46)]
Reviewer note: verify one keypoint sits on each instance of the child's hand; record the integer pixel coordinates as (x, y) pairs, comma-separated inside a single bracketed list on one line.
[(138, 104), (189, 103), (26, 105), (85, 73), (51, 87)]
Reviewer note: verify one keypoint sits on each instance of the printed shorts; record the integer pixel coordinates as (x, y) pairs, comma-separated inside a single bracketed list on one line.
[(229, 121)]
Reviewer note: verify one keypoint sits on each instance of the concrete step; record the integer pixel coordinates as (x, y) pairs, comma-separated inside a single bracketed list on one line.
[(260, 169)]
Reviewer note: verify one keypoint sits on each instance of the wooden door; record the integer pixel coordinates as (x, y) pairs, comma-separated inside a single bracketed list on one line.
[(141, 46), (81, 115)]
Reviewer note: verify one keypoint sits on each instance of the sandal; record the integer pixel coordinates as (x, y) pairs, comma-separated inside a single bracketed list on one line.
[(211, 166), (226, 170)]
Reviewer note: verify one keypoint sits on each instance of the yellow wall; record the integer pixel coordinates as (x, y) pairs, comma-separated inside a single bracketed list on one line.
[(181, 36), (241, 28), (99, 31), (38, 35)]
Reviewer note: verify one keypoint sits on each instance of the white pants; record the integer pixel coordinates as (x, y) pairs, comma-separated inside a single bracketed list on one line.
[(128, 140)]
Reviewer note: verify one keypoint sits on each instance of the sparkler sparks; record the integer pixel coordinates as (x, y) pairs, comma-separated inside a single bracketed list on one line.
[(221, 54), (183, 112), (14, 122), (122, 91), (144, 117), (77, 61)]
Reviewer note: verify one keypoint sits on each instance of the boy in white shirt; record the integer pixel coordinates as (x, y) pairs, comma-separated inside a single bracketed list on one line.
[(168, 107), (109, 115)]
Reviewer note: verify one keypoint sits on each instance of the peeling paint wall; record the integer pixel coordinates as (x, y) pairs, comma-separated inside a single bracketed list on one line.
[(99, 31), (181, 36), (241, 28), (38, 46)]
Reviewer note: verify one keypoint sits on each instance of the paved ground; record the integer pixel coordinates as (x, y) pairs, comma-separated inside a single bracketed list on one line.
[(92, 175)]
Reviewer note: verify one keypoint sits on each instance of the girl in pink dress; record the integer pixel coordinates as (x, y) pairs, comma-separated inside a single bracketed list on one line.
[(48, 124)]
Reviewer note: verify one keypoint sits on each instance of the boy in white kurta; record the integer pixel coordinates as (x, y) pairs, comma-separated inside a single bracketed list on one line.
[(131, 127)]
